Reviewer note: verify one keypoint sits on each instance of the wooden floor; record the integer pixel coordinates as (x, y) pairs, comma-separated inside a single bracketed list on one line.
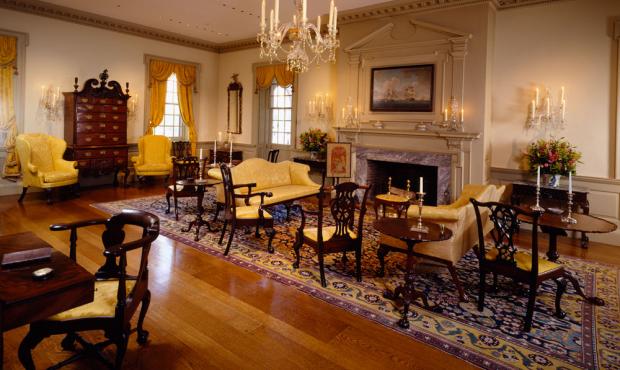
[(208, 313)]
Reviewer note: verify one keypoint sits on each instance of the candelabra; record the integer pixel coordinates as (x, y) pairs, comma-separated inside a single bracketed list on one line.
[(50, 102), (305, 38), (350, 116), (420, 226), (544, 114), (451, 119), (569, 219), (320, 108)]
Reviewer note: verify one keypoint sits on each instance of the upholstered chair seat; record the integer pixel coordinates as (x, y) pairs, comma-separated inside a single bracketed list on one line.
[(42, 164)]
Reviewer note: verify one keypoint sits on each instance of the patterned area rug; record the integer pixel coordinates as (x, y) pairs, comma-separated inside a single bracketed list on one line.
[(588, 337)]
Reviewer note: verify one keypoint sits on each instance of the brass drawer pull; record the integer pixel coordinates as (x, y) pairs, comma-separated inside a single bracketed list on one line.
[(89, 127), (102, 125), (102, 136), (115, 127), (88, 116), (102, 152), (102, 115), (88, 139), (84, 100), (115, 139), (87, 154), (114, 108)]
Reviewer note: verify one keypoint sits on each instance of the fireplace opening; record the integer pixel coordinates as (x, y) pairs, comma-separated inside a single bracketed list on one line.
[(380, 171)]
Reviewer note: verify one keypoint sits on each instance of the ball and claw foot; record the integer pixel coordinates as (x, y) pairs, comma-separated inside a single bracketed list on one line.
[(143, 337)]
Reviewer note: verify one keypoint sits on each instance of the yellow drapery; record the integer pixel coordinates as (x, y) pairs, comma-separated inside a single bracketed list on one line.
[(8, 63), (266, 74), (159, 72)]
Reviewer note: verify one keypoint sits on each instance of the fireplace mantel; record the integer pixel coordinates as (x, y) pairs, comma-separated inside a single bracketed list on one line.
[(393, 140), (453, 138)]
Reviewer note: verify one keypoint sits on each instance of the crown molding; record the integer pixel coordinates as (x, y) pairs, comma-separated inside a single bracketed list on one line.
[(397, 7)]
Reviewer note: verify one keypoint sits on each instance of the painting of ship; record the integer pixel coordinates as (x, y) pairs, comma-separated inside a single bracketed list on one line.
[(402, 88)]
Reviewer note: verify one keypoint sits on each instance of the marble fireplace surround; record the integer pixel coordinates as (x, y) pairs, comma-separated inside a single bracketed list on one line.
[(450, 151), (441, 161)]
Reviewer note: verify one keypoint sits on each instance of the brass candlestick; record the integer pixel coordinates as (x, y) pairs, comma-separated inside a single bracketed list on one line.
[(569, 217), (408, 192), (389, 185), (420, 226)]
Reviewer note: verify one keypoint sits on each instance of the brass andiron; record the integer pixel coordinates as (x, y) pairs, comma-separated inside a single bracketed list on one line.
[(569, 219), (420, 226)]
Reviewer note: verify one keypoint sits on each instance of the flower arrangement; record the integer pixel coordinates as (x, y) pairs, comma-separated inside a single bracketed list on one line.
[(314, 140), (554, 156)]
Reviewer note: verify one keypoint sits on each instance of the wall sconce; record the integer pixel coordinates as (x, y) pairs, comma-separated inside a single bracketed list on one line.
[(350, 115), (543, 113), (49, 102), (320, 108), (132, 105)]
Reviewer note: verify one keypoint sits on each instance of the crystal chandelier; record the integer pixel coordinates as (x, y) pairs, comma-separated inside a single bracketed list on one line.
[(298, 43)]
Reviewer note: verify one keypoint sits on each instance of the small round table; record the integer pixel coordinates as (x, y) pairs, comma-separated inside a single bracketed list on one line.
[(399, 203), (552, 224), (402, 229), (201, 185)]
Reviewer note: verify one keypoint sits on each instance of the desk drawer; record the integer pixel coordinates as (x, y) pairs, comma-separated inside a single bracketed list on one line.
[(95, 127), (86, 108), (102, 139)]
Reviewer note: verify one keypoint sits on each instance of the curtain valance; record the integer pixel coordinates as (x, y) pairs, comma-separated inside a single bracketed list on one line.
[(266, 74)]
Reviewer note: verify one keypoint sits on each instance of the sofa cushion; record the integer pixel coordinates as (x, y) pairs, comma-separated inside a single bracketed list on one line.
[(284, 193), (58, 176)]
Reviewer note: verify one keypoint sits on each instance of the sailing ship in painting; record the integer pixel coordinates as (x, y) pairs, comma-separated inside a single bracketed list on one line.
[(403, 89)]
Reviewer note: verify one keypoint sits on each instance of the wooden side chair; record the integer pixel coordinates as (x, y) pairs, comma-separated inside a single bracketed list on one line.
[(117, 294), (182, 169), (500, 256), (345, 236), (181, 149), (273, 154), (247, 215)]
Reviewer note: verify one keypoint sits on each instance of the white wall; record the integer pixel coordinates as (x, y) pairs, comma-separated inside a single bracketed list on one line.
[(59, 51), (564, 43)]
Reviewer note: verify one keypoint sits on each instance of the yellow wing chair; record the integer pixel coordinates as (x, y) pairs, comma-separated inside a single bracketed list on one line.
[(458, 217), (42, 165), (153, 157)]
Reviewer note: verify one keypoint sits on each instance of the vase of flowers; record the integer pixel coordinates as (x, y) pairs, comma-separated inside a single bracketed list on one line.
[(556, 157), (314, 141)]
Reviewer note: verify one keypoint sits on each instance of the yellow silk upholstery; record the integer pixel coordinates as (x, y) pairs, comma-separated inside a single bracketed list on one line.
[(286, 180), (524, 260), (41, 161), (391, 198), (461, 220), (103, 305), (328, 232), (154, 157), (249, 213)]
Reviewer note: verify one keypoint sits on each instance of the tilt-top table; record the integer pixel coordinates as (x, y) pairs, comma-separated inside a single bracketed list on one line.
[(200, 185)]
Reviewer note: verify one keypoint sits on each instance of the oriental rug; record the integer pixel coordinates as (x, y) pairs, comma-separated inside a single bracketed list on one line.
[(588, 337)]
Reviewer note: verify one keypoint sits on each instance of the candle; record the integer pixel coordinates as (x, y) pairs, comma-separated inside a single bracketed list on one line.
[(220, 136), (422, 185), (570, 182), (548, 106), (343, 113), (445, 115), (562, 94), (335, 18), (262, 16), (304, 7), (214, 150), (230, 144), (318, 23), (533, 108), (536, 96), (355, 113), (200, 154), (538, 177), (277, 13), (462, 115), (271, 21), (563, 109), (331, 15)]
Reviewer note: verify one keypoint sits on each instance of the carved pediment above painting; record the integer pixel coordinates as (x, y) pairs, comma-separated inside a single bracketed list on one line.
[(399, 49)]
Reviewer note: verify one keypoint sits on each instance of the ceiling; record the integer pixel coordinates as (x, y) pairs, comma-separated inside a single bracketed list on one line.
[(215, 21)]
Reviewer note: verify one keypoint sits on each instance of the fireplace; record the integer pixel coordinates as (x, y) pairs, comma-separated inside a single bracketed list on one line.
[(375, 165), (378, 173)]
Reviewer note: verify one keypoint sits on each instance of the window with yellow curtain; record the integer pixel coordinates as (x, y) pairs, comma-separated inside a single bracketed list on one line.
[(172, 85), (8, 96)]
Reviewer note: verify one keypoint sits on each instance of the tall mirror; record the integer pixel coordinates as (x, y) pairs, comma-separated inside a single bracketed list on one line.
[(235, 92)]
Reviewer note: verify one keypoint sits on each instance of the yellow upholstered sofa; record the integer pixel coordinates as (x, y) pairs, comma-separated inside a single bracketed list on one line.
[(459, 217), (154, 158), (287, 181), (42, 165)]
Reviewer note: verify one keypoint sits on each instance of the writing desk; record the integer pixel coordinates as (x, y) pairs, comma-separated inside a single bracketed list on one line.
[(24, 300)]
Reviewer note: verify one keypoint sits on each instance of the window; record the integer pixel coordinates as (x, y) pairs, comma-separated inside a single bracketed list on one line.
[(281, 113), (172, 125)]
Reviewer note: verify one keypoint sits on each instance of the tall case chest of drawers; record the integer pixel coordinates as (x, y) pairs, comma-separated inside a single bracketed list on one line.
[(96, 127)]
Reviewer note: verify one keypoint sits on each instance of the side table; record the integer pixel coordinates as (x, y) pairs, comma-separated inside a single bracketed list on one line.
[(200, 185)]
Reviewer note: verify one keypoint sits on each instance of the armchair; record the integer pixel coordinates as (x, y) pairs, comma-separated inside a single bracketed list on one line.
[(458, 217), (42, 165), (117, 294), (153, 157)]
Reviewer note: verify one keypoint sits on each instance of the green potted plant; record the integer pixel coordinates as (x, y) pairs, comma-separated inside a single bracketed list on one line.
[(314, 141), (556, 157)]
